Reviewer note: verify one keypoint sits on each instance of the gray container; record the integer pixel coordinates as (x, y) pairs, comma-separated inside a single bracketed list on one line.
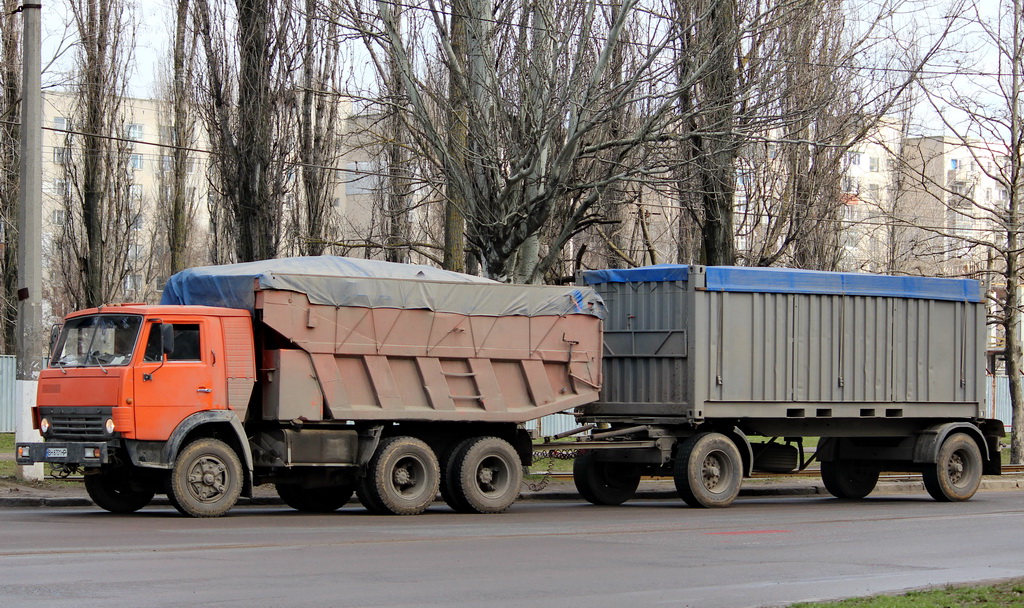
[(694, 343)]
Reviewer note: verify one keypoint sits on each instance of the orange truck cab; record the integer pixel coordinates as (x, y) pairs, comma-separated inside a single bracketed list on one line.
[(130, 382), (324, 376)]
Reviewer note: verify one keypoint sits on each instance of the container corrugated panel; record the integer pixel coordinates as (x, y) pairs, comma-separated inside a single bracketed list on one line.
[(879, 346), (8, 375)]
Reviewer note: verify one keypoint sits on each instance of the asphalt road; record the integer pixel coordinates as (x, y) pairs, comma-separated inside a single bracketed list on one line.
[(759, 552)]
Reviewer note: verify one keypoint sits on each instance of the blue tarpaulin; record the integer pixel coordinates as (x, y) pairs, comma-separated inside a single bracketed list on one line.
[(787, 280)]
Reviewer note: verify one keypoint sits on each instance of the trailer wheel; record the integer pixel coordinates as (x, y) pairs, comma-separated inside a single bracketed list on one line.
[(848, 479), (114, 492), (315, 500), (402, 478), (486, 475), (206, 479), (604, 483), (957, 474), (708, 470)]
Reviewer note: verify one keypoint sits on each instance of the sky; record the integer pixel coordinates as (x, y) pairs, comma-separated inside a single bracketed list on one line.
[(154, 24)]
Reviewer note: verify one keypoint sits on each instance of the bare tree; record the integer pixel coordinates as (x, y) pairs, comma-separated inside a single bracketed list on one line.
[(979, 188), (100, 216), (10, 153), (246, 96), (177, 198)]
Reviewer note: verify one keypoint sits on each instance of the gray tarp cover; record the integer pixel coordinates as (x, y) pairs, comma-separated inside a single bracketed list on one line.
[(339, 281)]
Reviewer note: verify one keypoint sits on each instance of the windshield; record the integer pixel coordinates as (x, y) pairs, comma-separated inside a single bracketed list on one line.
[(97, 341)]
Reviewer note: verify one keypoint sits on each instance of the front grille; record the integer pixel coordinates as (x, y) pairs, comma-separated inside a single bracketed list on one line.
[(76, 422)]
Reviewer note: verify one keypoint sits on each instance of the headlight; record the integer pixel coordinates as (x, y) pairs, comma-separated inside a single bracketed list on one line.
[(44, 426), (109, 426)]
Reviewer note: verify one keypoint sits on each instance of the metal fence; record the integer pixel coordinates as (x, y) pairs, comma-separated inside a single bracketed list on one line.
[(8, 373), (998, 399)]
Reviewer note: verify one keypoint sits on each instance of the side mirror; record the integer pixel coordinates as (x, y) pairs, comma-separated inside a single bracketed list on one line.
[(54, 336), (166, 338)]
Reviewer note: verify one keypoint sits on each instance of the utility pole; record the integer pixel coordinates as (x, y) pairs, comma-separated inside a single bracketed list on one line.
[(30, 228)]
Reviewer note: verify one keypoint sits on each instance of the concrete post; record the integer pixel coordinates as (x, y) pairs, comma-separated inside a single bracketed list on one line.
[(30, 230)]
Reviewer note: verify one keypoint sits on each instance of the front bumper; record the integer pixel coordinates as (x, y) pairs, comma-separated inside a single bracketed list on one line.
[(86, 453)]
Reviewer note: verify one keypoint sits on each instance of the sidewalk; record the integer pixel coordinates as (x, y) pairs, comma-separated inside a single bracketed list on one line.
[(24, 494)]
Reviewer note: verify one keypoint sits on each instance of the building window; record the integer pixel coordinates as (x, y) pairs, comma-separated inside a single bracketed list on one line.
[(166, 135), (137, 223), (136, 162), (954, 163), (133, 283), (362, 178), (62, 187), (61, 124), (853, 158), (873, 190), (166, 163), (873, 162), (134, 132), (60, 156), (134, 252), (59, 217), (135, 192)]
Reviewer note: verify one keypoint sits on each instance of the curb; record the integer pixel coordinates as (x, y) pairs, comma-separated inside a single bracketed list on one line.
[(754, 490)]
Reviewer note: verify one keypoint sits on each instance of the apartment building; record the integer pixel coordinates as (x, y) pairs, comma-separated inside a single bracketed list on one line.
[(146, 143)]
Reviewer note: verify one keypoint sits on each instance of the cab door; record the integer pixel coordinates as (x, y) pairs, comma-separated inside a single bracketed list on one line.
[(168, 391)]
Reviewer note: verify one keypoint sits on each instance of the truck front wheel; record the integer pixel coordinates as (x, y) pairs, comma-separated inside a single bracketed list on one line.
[(402, 478), (957, 474), (708, 470), (206, 479), (115, 492)]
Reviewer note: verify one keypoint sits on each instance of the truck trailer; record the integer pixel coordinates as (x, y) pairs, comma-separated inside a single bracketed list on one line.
[(713, 373), (324, 376)]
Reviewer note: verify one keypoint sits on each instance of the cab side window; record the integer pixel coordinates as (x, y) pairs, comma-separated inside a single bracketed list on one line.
[(187, 346)]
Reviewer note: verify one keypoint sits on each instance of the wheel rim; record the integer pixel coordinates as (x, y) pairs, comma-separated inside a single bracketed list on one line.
[(957, 469), (407, 477), (715, 471), (492, 476), (208, 479)]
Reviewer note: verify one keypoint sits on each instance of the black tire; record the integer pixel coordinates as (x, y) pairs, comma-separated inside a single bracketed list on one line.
[(116, 493), (708, 470), (315, 500), (402, 478), (486, 475), (849, 480), (206, 479), (604, 483), (957, 474), (449, 478)]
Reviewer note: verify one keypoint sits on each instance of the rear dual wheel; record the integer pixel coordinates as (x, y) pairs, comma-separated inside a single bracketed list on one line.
[(482, 475), (402, 478)]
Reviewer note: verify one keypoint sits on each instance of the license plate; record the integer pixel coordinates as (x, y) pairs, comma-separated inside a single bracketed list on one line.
[(56, 452)]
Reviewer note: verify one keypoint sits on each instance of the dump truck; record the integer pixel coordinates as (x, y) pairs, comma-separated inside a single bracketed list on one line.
[(714, 373), (324, 376)]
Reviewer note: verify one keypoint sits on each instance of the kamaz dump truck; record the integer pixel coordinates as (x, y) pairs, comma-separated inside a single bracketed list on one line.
[(324, 376), (713, 373)]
